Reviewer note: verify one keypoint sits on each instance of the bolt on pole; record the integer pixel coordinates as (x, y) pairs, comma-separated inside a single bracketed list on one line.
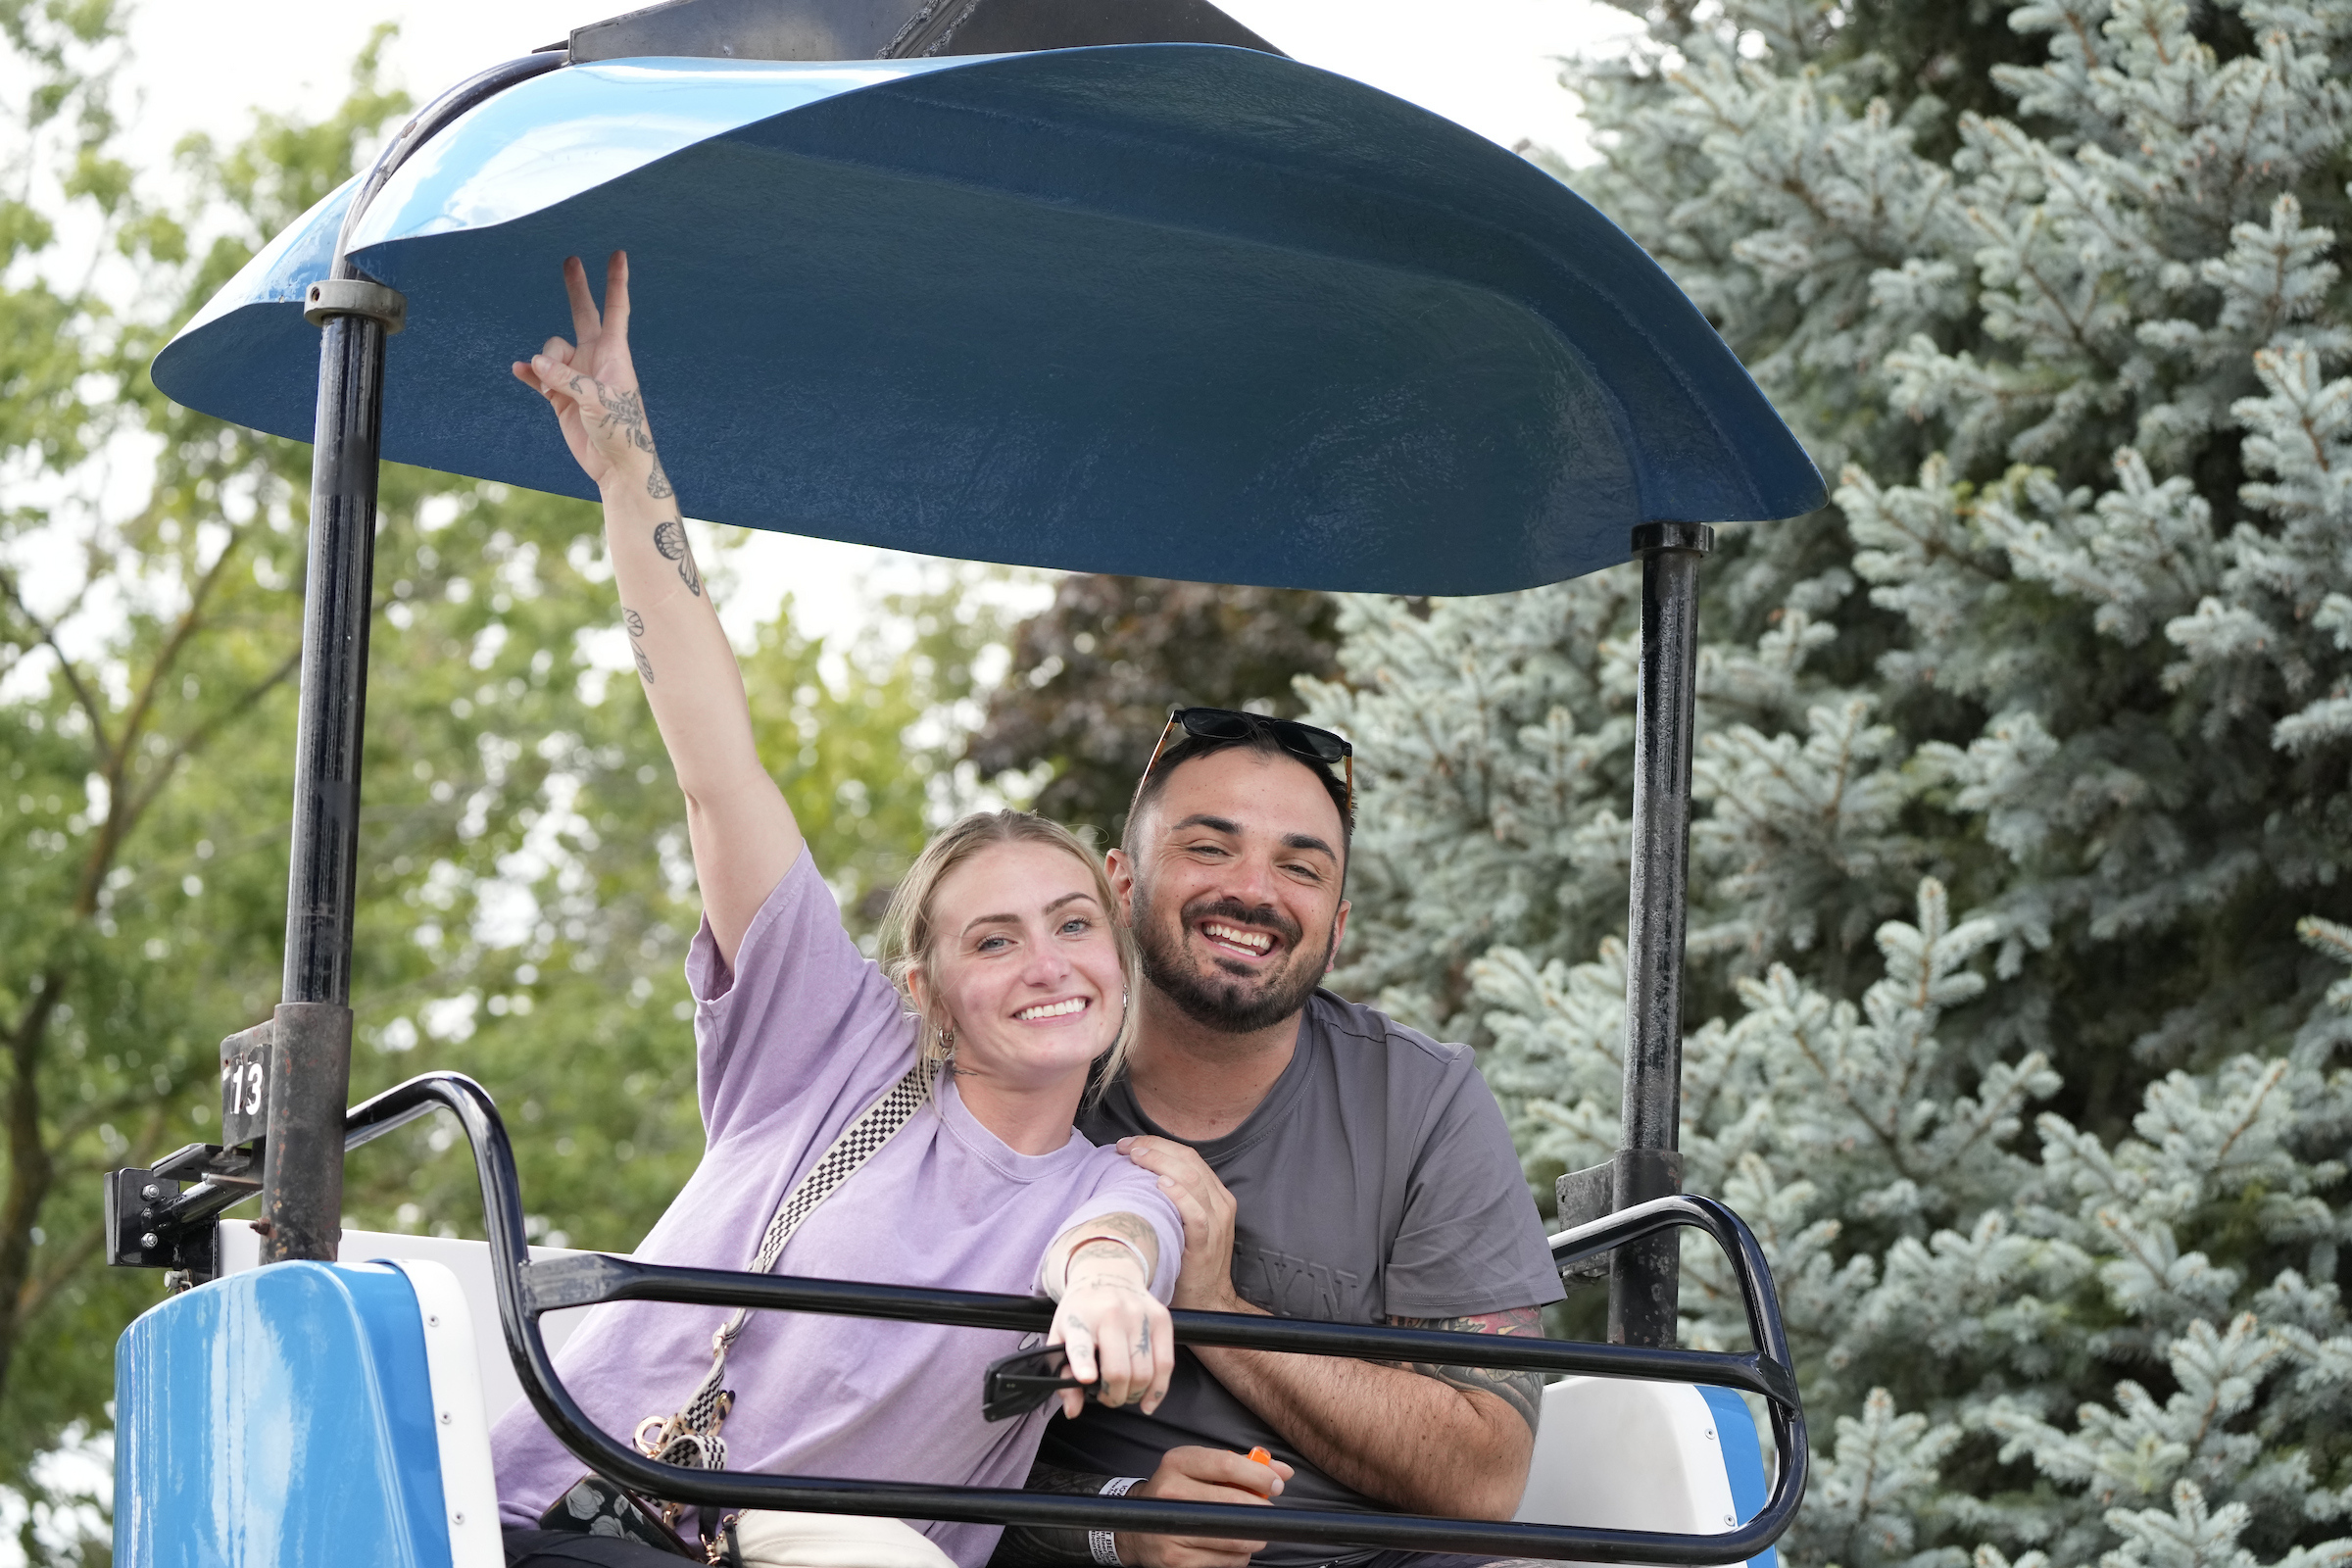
[(309, 1049), (1645, 1277)]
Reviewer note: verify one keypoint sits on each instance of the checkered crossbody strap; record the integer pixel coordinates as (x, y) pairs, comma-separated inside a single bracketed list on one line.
[(690, 1436)]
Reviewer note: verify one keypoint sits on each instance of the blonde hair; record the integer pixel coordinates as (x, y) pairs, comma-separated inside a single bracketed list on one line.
[(909, 938)]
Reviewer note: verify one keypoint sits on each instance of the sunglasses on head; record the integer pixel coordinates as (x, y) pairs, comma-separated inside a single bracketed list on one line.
[(1227, 724)]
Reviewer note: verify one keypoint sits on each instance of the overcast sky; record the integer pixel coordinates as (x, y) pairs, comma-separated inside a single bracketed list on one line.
[(205, 65)]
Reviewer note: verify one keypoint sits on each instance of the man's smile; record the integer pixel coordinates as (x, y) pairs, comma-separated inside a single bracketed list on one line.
[(1230, 938)]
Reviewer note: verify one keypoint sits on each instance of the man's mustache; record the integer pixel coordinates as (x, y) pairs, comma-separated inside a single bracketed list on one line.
[(1239, 913)]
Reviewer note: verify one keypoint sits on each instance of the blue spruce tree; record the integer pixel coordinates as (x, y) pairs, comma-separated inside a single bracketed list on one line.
[(2019, 915)]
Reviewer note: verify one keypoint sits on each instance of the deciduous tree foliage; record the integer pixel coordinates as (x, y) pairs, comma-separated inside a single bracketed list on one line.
[(1095, 673), (2019, 890), (526, 893)]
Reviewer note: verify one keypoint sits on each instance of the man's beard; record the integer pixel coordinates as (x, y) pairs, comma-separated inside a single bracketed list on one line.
[(1218, 1000)]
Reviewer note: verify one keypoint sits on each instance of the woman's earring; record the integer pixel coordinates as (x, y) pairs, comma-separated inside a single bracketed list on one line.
[(947, 1040)]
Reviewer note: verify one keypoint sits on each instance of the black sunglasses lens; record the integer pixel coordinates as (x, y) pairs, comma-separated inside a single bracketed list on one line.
[(1214, 725), (1319, 744), (1224, 725)]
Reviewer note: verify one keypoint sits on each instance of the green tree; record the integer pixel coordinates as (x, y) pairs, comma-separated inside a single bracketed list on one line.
[(2064, 642), (1095, 673), (2018, 896), (526, 896)]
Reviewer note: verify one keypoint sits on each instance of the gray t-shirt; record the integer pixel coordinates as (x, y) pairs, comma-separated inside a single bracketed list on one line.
[(1376, 1179)]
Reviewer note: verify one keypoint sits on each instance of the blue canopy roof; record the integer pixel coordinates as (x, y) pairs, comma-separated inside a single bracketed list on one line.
[(1173, 309)]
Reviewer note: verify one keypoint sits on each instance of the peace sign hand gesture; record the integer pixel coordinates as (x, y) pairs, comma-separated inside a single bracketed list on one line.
[(593, 387)]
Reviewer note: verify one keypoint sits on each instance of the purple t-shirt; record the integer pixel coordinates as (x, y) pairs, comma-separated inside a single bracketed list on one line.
[(802, 1038)]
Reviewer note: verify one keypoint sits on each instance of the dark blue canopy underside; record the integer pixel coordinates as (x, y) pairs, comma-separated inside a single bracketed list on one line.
[(1168, 309)]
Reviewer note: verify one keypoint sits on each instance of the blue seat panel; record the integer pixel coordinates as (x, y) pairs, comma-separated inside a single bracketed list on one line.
[(279, 1416), (1742, 1461)]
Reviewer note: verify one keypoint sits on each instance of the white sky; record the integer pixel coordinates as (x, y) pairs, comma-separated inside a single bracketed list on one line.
[(204, 65)]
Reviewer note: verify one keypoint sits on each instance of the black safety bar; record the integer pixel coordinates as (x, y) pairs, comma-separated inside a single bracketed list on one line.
[(525, 1290)]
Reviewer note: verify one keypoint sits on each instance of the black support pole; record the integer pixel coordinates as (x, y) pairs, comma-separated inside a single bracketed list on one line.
[(1646, 1276), (310, 1053), (304, 1051)]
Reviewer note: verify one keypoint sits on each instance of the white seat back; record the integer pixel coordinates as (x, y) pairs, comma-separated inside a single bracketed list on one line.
[(469, 1485), (1619, 1454), (469, 1262)]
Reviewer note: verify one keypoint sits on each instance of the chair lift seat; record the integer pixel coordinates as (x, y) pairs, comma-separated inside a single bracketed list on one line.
[(469, 1261), (273, 1416), (318, 1413), (1609, 1453), (306, 1413), (1628, 1456)]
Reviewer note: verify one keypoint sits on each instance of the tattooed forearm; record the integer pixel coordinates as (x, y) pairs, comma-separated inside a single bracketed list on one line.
[(610, 407), (669, 537), (1523, 1391), (1099, 1262), (627, 410), (1128, 1228), (636, 625), (1087, 1253)]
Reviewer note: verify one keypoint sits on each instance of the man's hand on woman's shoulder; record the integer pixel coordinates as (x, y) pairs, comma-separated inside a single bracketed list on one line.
[(1208, 1209)]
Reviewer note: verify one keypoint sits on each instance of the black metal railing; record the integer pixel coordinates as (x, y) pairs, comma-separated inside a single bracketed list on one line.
[(525, 1290)]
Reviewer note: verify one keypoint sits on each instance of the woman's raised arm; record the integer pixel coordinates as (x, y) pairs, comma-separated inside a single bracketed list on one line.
[(744, 835)]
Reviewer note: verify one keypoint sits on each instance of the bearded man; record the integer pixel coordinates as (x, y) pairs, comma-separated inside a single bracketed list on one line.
[(1328, 1162)]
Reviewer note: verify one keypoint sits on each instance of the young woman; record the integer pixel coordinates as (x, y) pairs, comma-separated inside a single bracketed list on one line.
[(1011, 973)]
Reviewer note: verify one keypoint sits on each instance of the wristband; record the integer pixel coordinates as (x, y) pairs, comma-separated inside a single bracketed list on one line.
[(1105, 1543), (1071, 1260)]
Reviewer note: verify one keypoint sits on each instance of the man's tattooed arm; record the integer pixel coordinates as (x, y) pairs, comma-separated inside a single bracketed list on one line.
[(1523, 1391)]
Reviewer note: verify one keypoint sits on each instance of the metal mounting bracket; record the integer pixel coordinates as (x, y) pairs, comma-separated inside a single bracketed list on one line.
[(1633, 1176), (331, 296), (142, 1229), (1695, 537)]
